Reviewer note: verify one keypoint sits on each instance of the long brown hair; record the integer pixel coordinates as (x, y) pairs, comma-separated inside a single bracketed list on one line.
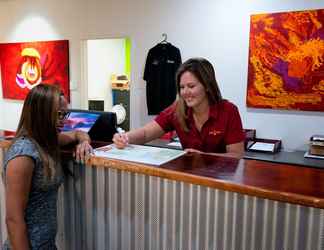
[(204, 71), (38, 122)]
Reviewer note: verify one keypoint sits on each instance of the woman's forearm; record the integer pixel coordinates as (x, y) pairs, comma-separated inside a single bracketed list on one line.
[(237, 155), (150, 131), (76, 136), (82, 136), (136, 136)]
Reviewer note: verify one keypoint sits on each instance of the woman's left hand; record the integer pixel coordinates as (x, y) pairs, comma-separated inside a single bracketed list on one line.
[(192, 150), (83, 151)]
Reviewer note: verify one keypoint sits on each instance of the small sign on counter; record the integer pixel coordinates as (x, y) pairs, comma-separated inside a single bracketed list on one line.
[(264, 145)]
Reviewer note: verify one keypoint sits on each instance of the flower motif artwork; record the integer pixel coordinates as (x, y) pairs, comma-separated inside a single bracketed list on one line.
[(286, 61), (25, 65)]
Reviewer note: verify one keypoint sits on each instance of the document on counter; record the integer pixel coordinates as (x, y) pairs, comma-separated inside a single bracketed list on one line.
[(175, 144), (139, 153)]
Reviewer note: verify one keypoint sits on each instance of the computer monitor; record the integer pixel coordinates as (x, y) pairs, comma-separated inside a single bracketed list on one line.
[(101, 126), (80, 120)]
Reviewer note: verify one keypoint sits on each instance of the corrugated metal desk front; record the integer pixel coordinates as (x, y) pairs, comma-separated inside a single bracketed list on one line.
[(193, 202)]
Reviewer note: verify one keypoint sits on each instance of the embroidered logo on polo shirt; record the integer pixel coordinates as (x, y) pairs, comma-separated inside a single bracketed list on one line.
[(214, 132)]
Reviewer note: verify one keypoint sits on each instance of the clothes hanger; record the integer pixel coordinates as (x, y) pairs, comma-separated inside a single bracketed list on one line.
[(165, 38)]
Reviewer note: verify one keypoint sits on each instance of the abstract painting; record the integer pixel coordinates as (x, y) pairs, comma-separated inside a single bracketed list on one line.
[(286, 61), (27, 64)]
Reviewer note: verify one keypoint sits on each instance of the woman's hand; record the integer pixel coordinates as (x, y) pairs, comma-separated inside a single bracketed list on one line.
[(120, 140), (83, 148), (192, 150), (83, 151)]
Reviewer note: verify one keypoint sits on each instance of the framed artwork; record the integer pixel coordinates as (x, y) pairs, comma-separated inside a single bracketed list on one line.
[(286, 61), (25, 65)]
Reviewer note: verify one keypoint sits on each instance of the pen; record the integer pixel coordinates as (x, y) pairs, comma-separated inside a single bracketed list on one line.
[(120, 130)]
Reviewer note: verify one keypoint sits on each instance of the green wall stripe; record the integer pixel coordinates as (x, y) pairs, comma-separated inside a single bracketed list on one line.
[(127, 57)]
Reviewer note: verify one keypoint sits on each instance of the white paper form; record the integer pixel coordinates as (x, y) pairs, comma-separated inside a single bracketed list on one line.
[(175, 144), (139, 153)]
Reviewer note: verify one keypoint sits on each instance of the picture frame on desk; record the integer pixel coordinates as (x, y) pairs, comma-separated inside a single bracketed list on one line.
[(250, 135), (271, 146), (316, 145), (308, 154)]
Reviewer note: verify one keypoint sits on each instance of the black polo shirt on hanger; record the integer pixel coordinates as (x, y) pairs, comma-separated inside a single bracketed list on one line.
[(161, 65)]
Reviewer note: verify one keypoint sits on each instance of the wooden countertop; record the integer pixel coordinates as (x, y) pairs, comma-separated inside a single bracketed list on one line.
[(292, 157), (282, 182)]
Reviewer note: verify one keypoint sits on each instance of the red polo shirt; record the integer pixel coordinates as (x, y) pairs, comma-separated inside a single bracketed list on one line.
[(222, 128)]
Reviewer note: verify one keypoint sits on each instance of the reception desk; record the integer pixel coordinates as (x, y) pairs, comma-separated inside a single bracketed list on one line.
[(193, 202)]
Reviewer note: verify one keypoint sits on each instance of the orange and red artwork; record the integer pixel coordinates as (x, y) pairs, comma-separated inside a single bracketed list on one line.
[(286, 61), (27, 64)]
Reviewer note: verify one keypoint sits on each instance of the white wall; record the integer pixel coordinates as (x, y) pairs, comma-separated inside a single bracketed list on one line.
[(104, 58), (215, 29), (42, 20)]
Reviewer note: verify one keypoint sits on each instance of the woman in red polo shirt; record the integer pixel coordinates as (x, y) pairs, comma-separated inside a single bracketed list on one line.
[(203, 120)]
